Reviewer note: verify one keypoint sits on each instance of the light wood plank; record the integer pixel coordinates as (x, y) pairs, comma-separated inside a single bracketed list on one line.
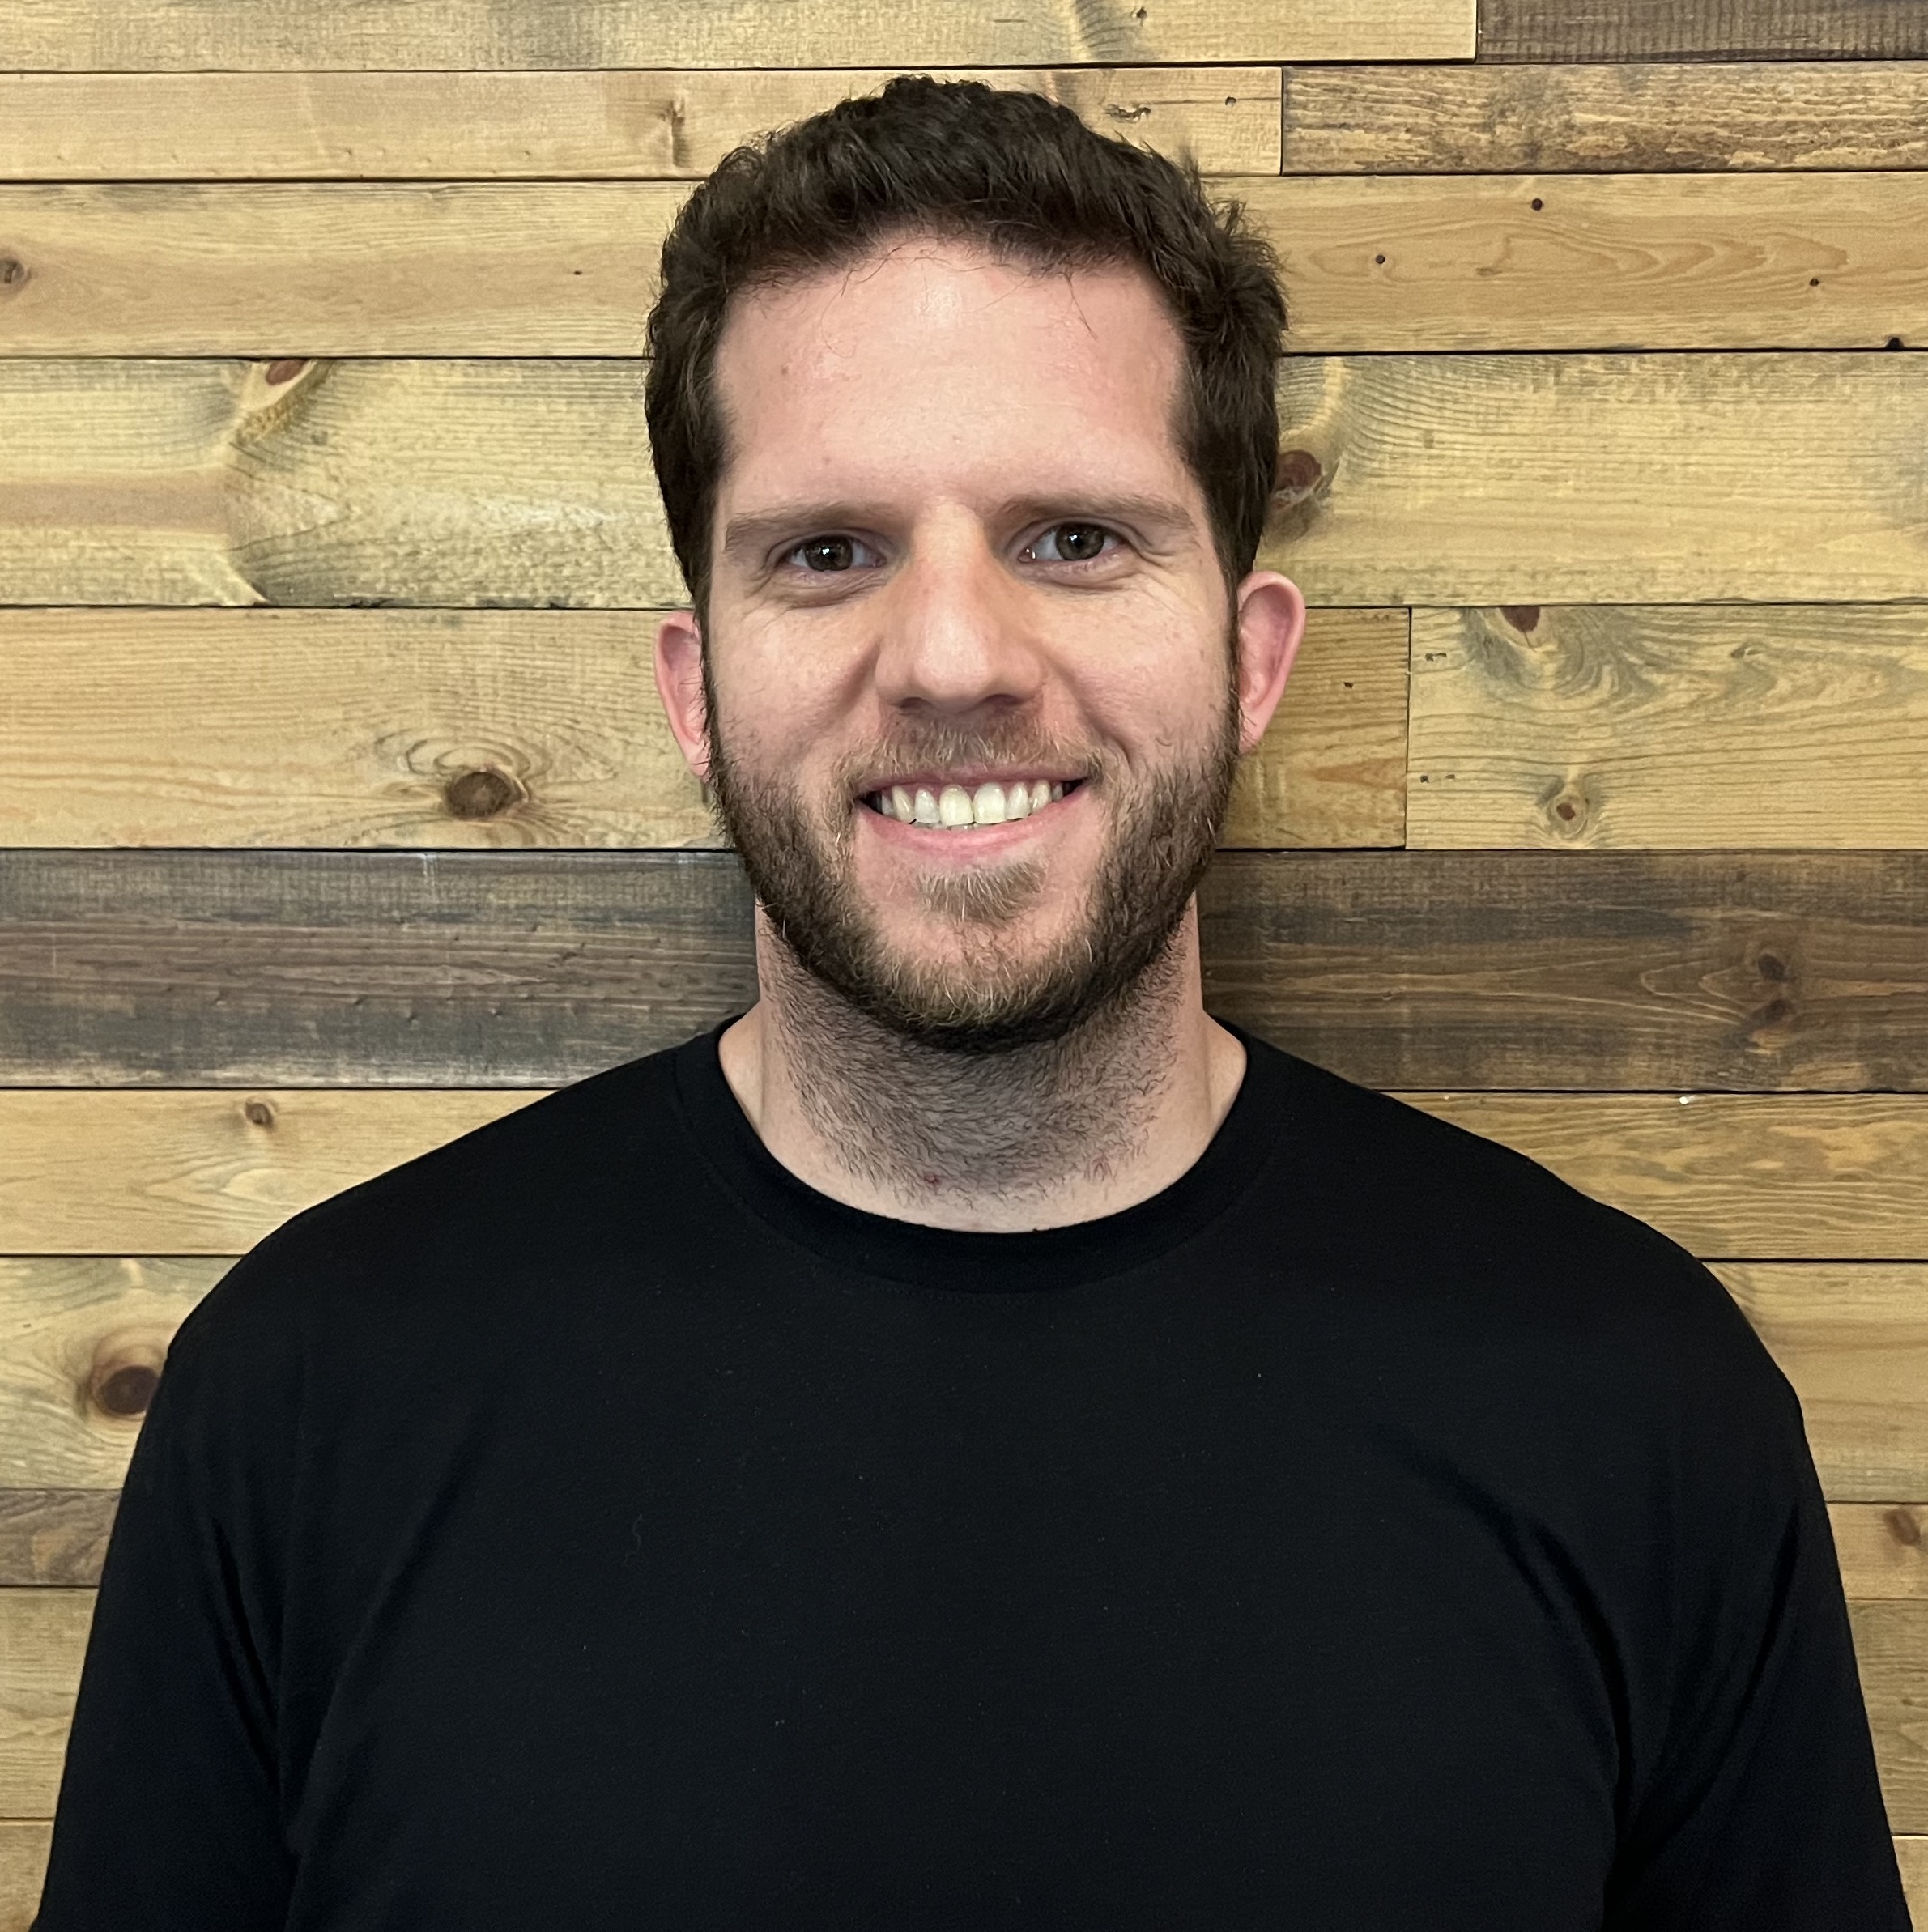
[(1621, 30), (1853, 1341), (1880, 1548), (55, 1536), (1657, 116), (1741, 1177), (203, 1172), (1371, 263), (359, 482), (23, 1844), (82, 1342), (1656, 478), (1891, 1646), (1703, 727), (257, 35), (632, 124), (1912, 1854), (1462, 479), (43, 1638), (493, 728)]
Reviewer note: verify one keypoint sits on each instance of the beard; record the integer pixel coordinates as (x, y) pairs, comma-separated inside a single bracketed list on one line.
[(983, 996)]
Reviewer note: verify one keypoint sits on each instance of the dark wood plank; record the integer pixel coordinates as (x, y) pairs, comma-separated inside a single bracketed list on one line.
[(54, 1536), (1632, 117), (1735, 30), (1518, 970)]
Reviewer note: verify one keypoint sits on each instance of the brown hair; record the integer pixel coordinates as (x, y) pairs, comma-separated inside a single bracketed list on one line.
[(1016, 174)]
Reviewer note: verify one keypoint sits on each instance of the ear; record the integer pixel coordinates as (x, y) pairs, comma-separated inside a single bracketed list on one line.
[(1271, 622), (680, 684)]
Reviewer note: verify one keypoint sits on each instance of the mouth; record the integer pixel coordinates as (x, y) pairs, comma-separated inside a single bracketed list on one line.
[(951, 807)]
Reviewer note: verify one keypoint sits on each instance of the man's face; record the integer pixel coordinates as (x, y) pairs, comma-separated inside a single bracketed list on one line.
[(969, 651)]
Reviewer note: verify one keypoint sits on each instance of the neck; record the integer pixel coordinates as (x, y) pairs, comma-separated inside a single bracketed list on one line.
[(1040, 1136)]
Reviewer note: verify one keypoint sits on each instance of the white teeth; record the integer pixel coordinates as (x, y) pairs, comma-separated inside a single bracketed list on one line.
[(987, 802), (1042, 794), (927, 808), (955, 809), (1017, 801), (901, 806), (954, 805)]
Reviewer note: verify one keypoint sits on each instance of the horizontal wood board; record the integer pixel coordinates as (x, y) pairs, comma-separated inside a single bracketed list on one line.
[(83, 1339), (1745, 1176), (1677, 116), (1736, 971), (1461, 479), (1377, 262), (1619, 30), (267, 34), (1689, 727), (495, 728), (634, 124)]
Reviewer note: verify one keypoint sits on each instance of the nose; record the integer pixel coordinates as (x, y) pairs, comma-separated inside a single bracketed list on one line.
[(957, 636)]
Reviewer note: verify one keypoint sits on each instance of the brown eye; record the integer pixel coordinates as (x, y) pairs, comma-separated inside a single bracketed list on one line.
[(1071, 543), (827, 553)]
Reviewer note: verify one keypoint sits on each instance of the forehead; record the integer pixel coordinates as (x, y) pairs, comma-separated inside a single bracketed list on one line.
[(931, 362)]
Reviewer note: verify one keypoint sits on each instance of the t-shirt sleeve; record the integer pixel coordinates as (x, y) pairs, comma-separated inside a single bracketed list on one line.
[(1762, 1812), (170, 1818)]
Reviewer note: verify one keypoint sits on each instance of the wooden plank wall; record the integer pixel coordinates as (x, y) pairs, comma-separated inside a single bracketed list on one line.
[(338, 818)]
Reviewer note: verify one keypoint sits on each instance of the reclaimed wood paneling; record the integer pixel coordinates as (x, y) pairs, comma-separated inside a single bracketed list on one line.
[(1771, 972), (23, 1845), (496, 728), (1683, 117), (1376, 262), (43, 1634), (1853, 1341), (1891, 1646), (647, 125), (1688, 726), (1741, 1177), (1656, 478), (1880, 1547), (1460, 480), (54, 1537), (1912, 1854), (254, 35), (1530, 969), (1624, 30)]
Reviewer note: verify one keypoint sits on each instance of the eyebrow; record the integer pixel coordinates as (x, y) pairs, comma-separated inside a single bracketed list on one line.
[(750, 534)]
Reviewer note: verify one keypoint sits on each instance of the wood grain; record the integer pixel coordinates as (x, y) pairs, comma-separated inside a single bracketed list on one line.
[(55, 1537), (1912, 1854), (1678, 727), (1371, 263), (1463, 479), (186, 1173), (494, 728), (43, 1638), (23, 1845), (1684, 116), (1621, 30), (1738, 971), (257, 34), (82, 1342), (1891, 1646), (635, 125), (1880, 1548), (1665, 478), (1733, 970), (1741, 1177), (1853, 1341)]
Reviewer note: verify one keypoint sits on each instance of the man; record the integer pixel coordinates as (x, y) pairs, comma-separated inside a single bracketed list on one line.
[(972, 1443)]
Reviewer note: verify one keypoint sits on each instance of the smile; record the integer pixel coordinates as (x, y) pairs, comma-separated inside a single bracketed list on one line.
[(953, 808)]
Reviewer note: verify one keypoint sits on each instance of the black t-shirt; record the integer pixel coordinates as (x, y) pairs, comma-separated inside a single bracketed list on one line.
[(589, 1526)]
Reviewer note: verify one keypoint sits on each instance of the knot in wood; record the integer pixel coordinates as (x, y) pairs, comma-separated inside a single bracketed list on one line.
[(1524, 617), (13, 271), (1771, 966), (481, 794), (258, 1113), (1905, 1526), (1296, 473), (124, 1389), (285, 369)]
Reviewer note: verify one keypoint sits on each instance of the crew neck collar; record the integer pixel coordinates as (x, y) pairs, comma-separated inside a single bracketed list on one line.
[(944, 1258)]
